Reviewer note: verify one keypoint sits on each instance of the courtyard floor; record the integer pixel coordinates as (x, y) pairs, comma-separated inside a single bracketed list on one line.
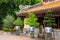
[(15, 37)]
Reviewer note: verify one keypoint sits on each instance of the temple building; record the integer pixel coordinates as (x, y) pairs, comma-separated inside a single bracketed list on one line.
[(41, 9)]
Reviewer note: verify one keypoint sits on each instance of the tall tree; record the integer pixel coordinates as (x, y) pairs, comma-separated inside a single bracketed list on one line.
[(10, 6), (30, 2)]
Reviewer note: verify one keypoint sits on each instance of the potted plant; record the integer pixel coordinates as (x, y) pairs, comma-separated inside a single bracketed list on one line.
[(8, 23), (18, 24), (49, 22), (32, 21)]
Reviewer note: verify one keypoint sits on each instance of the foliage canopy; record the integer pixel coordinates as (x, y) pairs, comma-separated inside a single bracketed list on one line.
[(8, 21), (32, 20), (49, 20), (18, 22)]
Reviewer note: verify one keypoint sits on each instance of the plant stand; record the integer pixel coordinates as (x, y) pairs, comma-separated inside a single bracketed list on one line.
[(32, 34), (18, 32), (48, 36), (48, 33)]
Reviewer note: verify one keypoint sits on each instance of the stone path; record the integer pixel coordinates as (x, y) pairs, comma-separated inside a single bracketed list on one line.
[(12, 37), (15, 37), (57, 34)]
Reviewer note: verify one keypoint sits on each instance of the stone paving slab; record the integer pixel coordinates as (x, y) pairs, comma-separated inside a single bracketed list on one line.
[(8, 36), (14, 37)]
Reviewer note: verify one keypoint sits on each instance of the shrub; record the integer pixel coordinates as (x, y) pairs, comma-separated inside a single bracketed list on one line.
[(8, 22)]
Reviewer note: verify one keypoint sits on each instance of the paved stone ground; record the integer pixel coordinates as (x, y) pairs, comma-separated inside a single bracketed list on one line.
[(14, 37), (57, 34)]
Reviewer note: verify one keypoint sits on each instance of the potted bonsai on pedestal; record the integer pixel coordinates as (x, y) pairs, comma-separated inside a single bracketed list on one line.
[(18, 24), (49, 22), (32, 21)]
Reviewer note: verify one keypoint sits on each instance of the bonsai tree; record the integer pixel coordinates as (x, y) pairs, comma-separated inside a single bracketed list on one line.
[(18, 22), (8, 22), (49, 21), (32, 21)]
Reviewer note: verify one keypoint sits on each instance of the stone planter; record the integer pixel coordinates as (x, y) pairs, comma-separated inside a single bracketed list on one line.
[(48, 29), (17, 27), (26, 32), (32, 32), (32, 28), (17, 30), (36, 32), (48, 33)]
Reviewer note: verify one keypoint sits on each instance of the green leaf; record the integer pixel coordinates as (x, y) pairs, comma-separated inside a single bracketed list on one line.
[(18, 22), (48, 19), (32, 20)]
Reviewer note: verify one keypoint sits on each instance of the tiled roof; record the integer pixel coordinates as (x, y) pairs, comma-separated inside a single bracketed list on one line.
[(43, 7)]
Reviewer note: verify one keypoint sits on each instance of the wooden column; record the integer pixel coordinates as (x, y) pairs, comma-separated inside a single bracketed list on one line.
[(45, 0), (59, 22)]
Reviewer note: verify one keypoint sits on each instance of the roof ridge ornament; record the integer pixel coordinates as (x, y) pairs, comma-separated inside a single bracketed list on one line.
[(22, 7)]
